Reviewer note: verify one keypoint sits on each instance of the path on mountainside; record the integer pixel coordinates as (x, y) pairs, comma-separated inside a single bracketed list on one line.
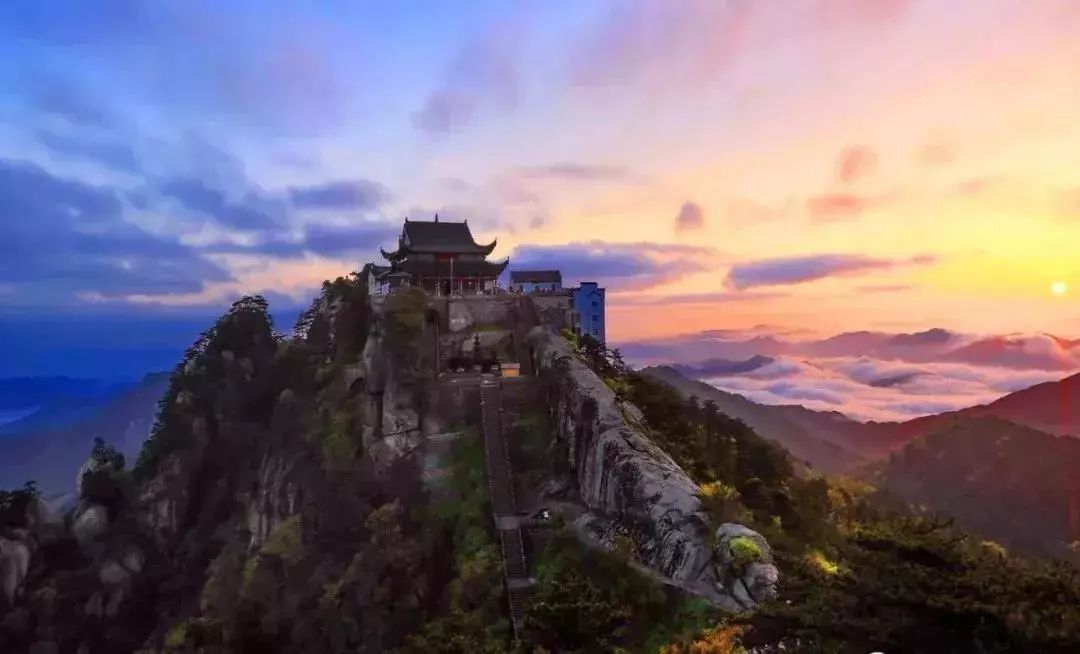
[(503, 506)]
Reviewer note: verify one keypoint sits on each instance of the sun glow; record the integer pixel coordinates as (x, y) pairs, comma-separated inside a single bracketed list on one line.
[(1059, 288)]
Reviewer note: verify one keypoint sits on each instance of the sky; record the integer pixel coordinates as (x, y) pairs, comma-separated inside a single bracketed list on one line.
[(825, 165)]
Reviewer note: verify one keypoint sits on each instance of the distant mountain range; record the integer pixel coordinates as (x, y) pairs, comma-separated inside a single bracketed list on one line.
[(49, 445), (722, 367), (48, 400), (834, 443), (1021, 351), (23, 392)]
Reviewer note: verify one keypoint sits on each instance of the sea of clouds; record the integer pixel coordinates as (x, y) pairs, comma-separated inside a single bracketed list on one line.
[(866, 376)]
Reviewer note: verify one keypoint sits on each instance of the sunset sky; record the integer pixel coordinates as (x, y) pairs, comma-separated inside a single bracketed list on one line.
[(826, 165)]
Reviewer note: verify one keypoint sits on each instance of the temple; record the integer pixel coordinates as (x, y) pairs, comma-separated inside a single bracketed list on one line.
[(441, 258)]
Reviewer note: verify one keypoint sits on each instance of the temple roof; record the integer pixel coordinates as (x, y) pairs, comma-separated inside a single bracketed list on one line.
[(437, 237), (533, 276), (460, 268)]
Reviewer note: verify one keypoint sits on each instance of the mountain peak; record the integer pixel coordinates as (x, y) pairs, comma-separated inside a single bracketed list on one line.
[(933, 336)]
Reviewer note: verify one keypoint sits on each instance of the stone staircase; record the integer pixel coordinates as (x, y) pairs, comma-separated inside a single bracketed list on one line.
[(501, 489)]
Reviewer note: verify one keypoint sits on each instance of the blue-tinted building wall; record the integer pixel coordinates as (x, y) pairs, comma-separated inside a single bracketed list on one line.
[(589, 308)]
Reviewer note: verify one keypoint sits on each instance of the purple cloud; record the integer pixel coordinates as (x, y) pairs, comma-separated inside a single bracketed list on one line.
[(697, 298), (60, 238), (483, 77), (110, 153), (344, 194), (195, 195), (333, 240), (798, 270), (326, 240), (625, 266), (66, 98), (573, 171)]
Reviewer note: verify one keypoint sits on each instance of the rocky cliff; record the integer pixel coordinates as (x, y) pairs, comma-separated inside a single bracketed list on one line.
[(633, 489), (280, 505)]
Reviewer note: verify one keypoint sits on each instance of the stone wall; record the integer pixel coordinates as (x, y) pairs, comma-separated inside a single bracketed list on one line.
[(555, 309), (466, 312), (630, 487)]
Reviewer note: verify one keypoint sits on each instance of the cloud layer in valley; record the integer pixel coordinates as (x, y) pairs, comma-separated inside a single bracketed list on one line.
[(867, 375)]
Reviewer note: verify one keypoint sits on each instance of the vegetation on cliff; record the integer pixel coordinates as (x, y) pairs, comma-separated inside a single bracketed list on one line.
[(14, 505)]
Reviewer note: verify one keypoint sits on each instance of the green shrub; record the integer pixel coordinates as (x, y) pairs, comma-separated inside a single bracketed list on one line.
[(590, 600), (745, 551), (721, 502), (570, 337), (177, 636), (285, 541), (13, 505)]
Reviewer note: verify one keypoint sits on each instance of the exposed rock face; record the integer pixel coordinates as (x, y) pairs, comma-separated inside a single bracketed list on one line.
[(482, 310), (276, 498), (44, 522), (18, 546), (165, 499), (91, 465), (117, 577), (631, 487), (91, 524), (750, 582), (460, 318), (15, 556), (761, 580)]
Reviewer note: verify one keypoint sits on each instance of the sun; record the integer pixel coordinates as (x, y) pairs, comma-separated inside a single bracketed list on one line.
[(1059, 288)]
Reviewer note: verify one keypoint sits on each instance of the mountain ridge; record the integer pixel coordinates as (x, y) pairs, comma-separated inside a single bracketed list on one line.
[(1009, 482), (50, 454), (1039, 351)]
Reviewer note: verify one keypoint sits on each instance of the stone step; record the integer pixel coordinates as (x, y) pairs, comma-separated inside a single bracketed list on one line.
[(513, 554), (519, 600), (503, 506)]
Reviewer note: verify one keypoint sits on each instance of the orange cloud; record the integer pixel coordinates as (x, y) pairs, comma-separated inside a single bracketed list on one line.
[(935, 153), (836, 206), (856, 162)]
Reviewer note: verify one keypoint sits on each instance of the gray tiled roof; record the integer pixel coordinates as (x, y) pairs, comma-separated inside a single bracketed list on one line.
[(435, 236), (535, 276)]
